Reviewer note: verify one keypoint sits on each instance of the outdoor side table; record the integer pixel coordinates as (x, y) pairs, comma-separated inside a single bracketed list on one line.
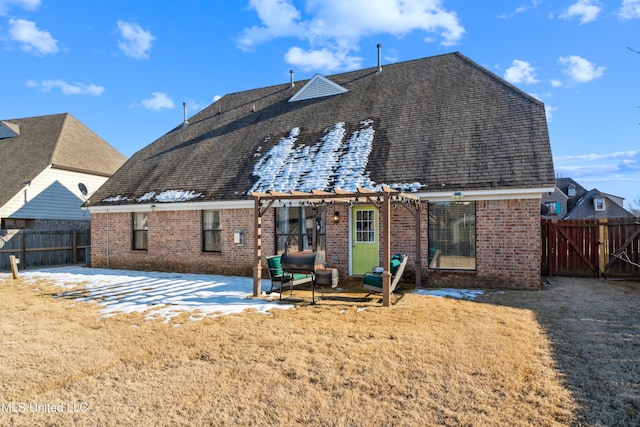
[(327, 276)]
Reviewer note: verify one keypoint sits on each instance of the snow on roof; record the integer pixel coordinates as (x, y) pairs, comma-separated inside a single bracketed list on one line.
[(164, 197), (331, 163)]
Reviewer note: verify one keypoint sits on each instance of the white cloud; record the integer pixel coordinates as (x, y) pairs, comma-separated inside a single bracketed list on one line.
[(333, 28), (587, 10), (629, 9), (66, 88), (556, 83), (215, 98), (136, 42), (631, 154), (549, 110), (24, 4), (520, 72), (580, 69), (524, 8), (323, 59), (158, 101), (32, 39), (520, 9)]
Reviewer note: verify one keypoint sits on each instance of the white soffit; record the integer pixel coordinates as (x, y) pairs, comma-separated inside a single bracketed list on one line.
[(318, 87), (502, 194)]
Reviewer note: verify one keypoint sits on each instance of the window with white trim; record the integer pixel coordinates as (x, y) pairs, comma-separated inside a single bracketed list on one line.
[(211, 231), (598, 203), (140, 229)]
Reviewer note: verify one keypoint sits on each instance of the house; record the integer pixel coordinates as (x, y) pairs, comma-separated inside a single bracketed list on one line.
[(470, 147), (570, 200), (46, 160)]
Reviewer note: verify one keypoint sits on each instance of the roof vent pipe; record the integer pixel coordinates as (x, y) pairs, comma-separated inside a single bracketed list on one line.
[(379, 58), (292, 84), (185, 123)]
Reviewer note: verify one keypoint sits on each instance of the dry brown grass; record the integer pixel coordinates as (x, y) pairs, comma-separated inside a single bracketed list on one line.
[(594, 330), (424, 361)]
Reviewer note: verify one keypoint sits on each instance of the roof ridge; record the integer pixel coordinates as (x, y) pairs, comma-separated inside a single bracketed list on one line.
[(496, 77), (56, 145)]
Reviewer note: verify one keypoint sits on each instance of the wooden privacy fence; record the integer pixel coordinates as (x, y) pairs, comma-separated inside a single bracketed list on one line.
[(38, 248), (591, 248)]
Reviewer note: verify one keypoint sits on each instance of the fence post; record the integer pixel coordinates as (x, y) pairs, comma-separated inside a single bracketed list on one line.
[(75, 248), (23, 248), (14, 266), (603, 245)]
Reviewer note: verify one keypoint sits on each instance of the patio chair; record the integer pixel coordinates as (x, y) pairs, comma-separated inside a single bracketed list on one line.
[(373, 279), (277, 275)]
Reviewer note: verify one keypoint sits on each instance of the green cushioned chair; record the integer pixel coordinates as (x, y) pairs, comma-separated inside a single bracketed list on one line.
[(373, 279), (277, 275)]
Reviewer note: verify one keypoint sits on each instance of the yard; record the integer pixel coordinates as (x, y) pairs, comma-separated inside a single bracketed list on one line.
[(566, 355)]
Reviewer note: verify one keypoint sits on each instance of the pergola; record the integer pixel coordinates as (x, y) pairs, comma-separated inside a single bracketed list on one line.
[(382, 200)]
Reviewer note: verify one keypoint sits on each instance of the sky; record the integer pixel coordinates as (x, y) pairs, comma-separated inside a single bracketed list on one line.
[(125, 68), (165, 295)]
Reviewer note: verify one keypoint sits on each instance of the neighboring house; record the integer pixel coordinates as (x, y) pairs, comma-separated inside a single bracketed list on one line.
[(44, 161), (570, 200), (472, 147)]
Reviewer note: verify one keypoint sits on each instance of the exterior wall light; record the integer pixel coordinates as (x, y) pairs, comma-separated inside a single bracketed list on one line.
[(336, 217)]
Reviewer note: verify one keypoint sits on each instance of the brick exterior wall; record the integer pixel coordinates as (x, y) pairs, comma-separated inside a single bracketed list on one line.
[(508, 247), (507, 244), (174, 243)]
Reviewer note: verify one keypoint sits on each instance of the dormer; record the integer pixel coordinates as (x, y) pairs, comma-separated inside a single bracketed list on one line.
[(571, 190), (318, 87), (8, 130), (598, 203)]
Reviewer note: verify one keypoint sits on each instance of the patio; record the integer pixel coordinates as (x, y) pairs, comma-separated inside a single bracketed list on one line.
[(348, 292), (382, 199)]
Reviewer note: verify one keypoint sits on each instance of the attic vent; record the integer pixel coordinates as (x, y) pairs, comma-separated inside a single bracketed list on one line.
[(318, 87), (9, 130)]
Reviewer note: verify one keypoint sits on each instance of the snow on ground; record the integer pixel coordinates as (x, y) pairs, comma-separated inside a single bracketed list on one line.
[(451, 293), (165, 295), (158, 295)]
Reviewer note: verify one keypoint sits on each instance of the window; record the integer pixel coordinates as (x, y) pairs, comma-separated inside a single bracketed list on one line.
[(571, 191), (140, 229), (295, 225), (554, 208), (211, 231), (598, 203), (452, 235), (365, 226)]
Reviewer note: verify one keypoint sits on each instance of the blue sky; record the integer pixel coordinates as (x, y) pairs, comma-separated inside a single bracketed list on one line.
[(124, 68)]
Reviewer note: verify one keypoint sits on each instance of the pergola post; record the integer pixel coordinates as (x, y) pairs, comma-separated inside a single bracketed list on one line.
[(418, 251), (386, 251), (257, 245)]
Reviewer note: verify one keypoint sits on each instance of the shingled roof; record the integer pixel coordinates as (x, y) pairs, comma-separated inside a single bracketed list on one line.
[(441, 123), (35, 143), (584, 208)]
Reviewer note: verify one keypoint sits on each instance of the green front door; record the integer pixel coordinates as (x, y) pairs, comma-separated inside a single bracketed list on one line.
[(364, 238)]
